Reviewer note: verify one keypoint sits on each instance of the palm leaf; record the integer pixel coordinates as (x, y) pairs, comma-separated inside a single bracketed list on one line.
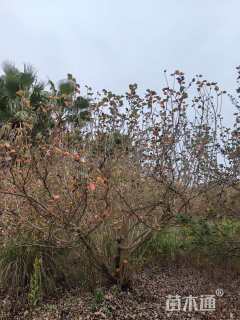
[(67, 87)]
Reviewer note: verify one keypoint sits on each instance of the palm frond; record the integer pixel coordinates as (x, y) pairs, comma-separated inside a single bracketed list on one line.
[(27, 77), (9, 68), (66, 87)]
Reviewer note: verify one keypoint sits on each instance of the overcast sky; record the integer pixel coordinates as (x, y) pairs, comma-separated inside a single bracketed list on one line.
[(111, 43)]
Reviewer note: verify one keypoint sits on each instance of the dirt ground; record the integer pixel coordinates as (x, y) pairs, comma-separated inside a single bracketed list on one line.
[(149, 298)]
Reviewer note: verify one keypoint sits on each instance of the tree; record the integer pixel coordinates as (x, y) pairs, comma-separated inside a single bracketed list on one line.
[(13, 86), (26, 103), (141, 163)]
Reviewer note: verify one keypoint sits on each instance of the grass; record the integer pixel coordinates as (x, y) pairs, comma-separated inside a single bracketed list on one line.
[(196, 240), (17, 266), (39, 271)]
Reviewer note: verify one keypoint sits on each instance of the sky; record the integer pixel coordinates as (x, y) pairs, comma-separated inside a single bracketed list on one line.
[(111, 43)]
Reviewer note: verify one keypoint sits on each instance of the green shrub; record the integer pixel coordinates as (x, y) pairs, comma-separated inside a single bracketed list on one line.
[(213, 238), (167, 243), (195, 238)]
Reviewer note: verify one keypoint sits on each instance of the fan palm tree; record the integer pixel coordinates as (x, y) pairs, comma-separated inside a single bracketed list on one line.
[(22, 98), (14, 83), (24, 102)]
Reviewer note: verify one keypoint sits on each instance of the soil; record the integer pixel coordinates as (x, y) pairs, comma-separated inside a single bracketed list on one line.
[(148, 298)]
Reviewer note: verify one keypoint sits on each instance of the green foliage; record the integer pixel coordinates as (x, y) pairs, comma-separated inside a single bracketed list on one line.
[(35, 290), (98, 296), (16, 264), (183, 219), (167, 243), (25, 102), (195, 237), (213, 238), (27, 77), (12, 82), (19, 266), (78, 113), (66, 87), (15, 80)]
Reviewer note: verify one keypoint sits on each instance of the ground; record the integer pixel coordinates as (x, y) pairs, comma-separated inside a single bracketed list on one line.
[(148, 298)]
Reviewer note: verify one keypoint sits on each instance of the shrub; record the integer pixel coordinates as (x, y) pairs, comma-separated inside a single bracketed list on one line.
[(198, 239)]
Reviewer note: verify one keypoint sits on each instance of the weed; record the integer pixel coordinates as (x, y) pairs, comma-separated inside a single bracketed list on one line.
[(35, 291)]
